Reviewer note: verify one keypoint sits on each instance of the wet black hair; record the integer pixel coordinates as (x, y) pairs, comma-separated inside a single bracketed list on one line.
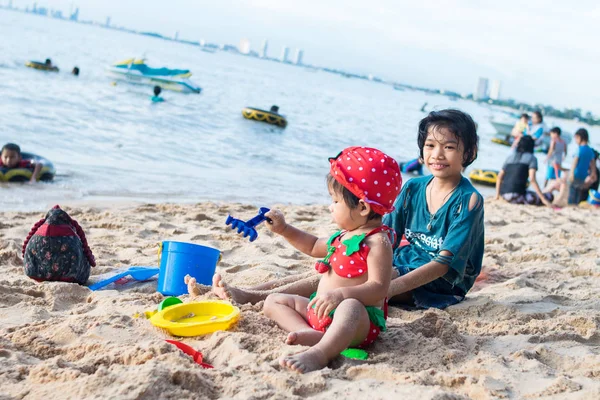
[(525, 115), (526, 145), (556, 130), (75, 71), (11, 147), (157, 90), (583, 134), (48, 61), (350, 198), (459, 123), (539, 114), (274, 109)]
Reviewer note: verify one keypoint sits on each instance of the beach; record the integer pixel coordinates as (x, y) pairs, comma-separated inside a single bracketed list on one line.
[(530, 328)]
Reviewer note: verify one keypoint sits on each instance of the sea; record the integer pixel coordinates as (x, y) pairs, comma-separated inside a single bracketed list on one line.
[(110, 143)]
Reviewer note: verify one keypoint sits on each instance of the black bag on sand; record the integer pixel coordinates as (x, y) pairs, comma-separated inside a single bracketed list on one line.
[(56, 250)]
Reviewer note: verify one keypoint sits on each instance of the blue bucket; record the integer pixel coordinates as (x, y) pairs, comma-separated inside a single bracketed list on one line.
[(177, 259)]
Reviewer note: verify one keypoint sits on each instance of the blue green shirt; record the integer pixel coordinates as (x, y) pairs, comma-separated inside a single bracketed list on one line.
[(453, 227), (157, 99), (585, 156)]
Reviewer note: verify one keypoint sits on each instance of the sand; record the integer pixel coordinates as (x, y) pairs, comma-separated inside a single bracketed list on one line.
[(529, 329)]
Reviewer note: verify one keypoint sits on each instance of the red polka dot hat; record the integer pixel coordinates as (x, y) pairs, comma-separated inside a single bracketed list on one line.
[(369, 174)]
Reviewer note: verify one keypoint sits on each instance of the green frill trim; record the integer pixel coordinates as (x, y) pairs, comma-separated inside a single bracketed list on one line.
[(376, 316)]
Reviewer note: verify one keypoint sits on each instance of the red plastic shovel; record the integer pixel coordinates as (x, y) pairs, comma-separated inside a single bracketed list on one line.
[(196, 355)]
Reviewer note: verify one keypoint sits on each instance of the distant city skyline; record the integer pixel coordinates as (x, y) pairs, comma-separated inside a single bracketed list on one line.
[(540, 53)]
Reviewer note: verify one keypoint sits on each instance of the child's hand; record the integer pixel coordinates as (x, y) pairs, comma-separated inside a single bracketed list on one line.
[(277, 223), (326, 302)]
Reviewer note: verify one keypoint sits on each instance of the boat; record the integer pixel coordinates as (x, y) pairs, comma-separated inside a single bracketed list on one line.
[(502, 128), (137, 72)]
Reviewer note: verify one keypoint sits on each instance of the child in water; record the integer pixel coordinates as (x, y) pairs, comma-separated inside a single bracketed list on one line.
[(356, 267), (157, 98), (11, 158)]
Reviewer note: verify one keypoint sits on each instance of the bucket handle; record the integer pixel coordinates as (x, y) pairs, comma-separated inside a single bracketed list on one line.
[(160, 246)]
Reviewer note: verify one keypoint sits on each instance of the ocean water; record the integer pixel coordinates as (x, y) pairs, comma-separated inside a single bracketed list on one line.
[(111, 143)]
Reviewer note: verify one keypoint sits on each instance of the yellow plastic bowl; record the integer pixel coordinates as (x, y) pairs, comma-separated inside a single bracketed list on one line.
[(198, 318)]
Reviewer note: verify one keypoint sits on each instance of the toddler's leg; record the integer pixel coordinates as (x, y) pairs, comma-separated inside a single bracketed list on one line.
[(289, 312), (350, 326)]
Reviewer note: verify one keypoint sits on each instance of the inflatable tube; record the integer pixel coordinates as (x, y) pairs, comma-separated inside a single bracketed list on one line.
[(503, 142), (24, 174), (484, 177), (41, 66), (264, 116)]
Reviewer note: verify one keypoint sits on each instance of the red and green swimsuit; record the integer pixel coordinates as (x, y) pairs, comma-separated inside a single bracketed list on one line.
[(348, 259)]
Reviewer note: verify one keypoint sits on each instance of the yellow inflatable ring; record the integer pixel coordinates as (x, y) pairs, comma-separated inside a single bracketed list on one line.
[(197, 318), (24, 174), (484, 177), (500, 141), (264, 116), (41, 66)]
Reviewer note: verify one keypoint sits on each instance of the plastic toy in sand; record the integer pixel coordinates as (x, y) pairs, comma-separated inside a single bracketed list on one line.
[(137, 273), (355, 354), (190, 351), (197, 318), (247, 227)]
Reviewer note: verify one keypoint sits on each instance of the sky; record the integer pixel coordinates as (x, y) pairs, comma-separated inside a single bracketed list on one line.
[(542, 52)]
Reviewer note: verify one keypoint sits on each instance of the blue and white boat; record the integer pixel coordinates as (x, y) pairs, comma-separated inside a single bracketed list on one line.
[(137, 72)]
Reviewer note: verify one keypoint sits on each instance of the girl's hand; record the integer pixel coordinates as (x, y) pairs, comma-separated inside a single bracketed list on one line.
[(277, 223), (326, 302)]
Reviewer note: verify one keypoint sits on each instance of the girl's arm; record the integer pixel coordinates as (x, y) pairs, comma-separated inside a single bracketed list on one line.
[(499, 180), (550, 150), (370, 293), (303, 241), (419, 277), (572, 173), (536, 187)]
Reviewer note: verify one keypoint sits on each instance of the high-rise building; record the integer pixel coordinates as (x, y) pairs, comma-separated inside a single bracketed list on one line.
[(244, 46), (75, 15), (482, 89), (495, 90), (285, 52), (265, 46), (107, 22), (10, 4), (299, 55), (176, 36)]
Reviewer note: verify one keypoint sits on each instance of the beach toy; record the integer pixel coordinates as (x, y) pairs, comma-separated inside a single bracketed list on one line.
[(24, 174), (248, 226), (355, 354), (178, 259), (484, 176), (270, 117), (137, 273), (197, 318), (168, 302), (190, 351), (594, 197)]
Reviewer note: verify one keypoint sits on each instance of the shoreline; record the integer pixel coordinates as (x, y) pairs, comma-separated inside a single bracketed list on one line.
[(528, 329)]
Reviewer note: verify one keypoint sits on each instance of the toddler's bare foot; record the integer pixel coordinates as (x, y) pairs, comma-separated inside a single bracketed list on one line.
[(304, 337), (226, 292), (193, 289), (307, 361)]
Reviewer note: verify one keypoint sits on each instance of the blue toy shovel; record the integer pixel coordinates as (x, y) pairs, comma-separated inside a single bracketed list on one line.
[(247, 227), (137, 273)]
